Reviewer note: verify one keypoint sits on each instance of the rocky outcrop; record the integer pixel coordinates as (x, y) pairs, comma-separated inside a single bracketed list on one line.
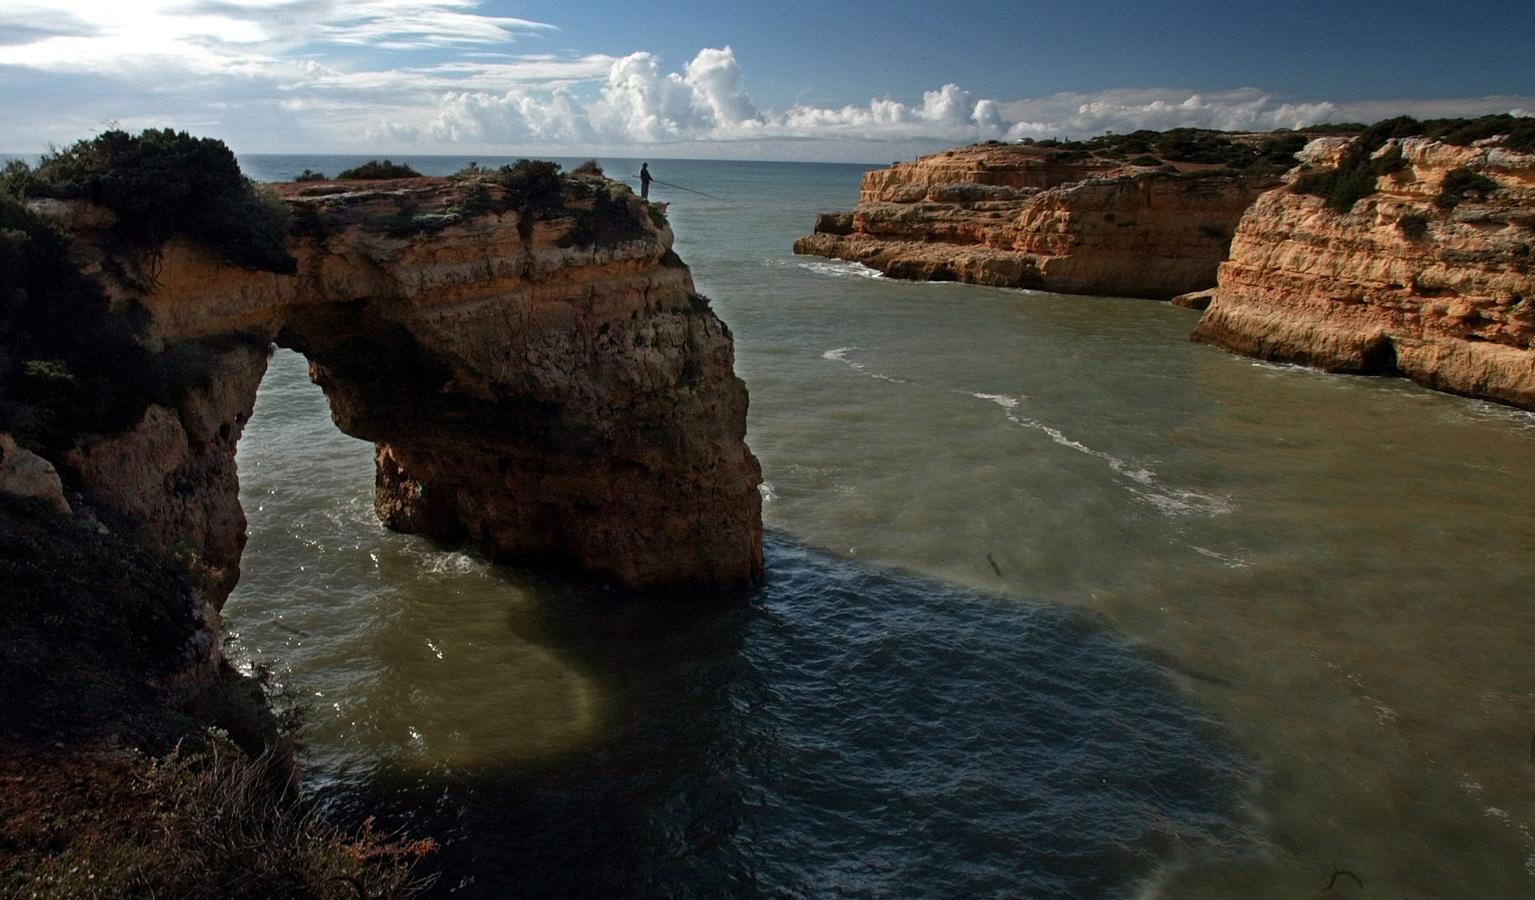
[(25, 474), (1024, 216), (1432, 284), (545, 381)]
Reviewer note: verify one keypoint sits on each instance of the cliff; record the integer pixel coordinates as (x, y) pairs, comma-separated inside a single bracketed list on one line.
[(1012, 215), (538, 375), (1430, 275)]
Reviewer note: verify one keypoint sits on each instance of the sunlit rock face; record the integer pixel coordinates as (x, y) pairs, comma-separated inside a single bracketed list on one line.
[(546, 383), (1400, 283), (1019, 216)]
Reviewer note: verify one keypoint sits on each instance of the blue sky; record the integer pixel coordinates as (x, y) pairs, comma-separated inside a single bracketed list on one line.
[(785, 80)]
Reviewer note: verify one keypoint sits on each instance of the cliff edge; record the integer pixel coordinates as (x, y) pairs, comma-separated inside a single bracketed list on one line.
[(1409, 256), (530, 359)]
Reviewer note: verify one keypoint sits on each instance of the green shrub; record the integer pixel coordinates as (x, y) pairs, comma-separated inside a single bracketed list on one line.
[(164, 184), (1340, 188), (1145, 161), (590, 168), (1358, 169), (615, 217), (476, 202), (1413, 225), (532, 187), (1460, 182), (374, 170), (308, 175), (1518, 131)]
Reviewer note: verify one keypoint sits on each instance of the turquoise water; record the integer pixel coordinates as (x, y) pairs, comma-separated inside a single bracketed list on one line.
[(1058, 603)]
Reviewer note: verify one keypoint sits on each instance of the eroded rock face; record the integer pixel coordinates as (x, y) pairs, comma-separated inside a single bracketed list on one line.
[(1009, 216), (550, 385), (1398, 284), (25, 474)]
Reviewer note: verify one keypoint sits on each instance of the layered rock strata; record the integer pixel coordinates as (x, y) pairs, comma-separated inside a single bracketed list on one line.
[(1014, 216), (1436, 286), (548, 383)]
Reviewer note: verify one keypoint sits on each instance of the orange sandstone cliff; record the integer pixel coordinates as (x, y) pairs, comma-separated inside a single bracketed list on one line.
[(1425, 277), (548, 384), (1012, 215)]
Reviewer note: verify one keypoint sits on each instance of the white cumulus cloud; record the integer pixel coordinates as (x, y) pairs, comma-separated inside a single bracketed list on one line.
[(331, 75)]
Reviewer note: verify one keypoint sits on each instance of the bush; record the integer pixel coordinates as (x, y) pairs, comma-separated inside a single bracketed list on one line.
[(1413, 225), (374, 170), (615, 217), (590, 168), (1340, 188), (532, 187), (1145, 161), (164, 184), (1358, 169), (1460, 182), (308, 175), (1518, 132)]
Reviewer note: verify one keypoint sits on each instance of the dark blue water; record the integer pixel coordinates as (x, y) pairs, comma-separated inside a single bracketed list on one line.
[(843, 731)]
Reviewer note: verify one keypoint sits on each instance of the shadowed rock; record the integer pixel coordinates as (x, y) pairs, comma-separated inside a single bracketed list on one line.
[(545, 382)]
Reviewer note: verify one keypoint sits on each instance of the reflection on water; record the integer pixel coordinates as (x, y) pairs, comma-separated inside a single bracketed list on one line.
[(1334, 570)]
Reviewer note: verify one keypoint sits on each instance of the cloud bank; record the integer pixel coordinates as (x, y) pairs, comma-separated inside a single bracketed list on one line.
[(437, 76)]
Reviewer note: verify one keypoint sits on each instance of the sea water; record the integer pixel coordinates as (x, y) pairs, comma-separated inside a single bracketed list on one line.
[(1057, 604)]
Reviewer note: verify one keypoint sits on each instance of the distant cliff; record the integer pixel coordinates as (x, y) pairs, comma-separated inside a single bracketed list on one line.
[(1013, 215), (1413, 256)]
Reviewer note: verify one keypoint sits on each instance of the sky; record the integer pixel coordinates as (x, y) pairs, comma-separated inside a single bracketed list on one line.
[(844, 80)]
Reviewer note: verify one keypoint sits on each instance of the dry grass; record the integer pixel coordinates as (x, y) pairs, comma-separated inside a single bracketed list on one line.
[(215, 824)]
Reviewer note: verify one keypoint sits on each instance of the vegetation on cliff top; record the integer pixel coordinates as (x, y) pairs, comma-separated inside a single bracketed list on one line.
[(374, 170), (1265, 155), (1358, 168), (161, 184), (536, 189)]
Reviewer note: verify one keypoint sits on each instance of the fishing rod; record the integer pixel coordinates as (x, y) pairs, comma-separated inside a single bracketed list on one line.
[(681, 188)]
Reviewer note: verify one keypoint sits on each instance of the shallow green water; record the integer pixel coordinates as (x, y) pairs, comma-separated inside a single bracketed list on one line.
[(1331, 574)]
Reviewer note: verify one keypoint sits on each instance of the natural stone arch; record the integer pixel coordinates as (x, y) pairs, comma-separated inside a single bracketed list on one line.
[(559, 401)]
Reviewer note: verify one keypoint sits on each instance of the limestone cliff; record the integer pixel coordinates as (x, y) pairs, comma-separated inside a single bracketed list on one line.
[(1026, 216), (1423, 277), (541, 378)]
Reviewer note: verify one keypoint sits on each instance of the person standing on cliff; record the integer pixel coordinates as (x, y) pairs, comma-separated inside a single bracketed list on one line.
[(645, 180)]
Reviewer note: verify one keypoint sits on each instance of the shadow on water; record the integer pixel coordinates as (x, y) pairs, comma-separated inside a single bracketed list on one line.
[(839, 731)]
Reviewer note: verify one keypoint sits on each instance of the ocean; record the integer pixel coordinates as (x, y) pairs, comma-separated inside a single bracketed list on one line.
[(1057, 604)]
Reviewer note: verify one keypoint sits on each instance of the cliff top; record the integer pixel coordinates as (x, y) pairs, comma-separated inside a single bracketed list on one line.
[(1179, 150), (601, 211), (1196, 150)]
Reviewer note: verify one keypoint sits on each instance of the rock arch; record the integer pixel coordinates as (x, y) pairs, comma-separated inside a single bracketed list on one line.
[(557, 397)]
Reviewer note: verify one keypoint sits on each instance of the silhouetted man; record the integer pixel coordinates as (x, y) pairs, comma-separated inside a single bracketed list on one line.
[(645, 180)]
